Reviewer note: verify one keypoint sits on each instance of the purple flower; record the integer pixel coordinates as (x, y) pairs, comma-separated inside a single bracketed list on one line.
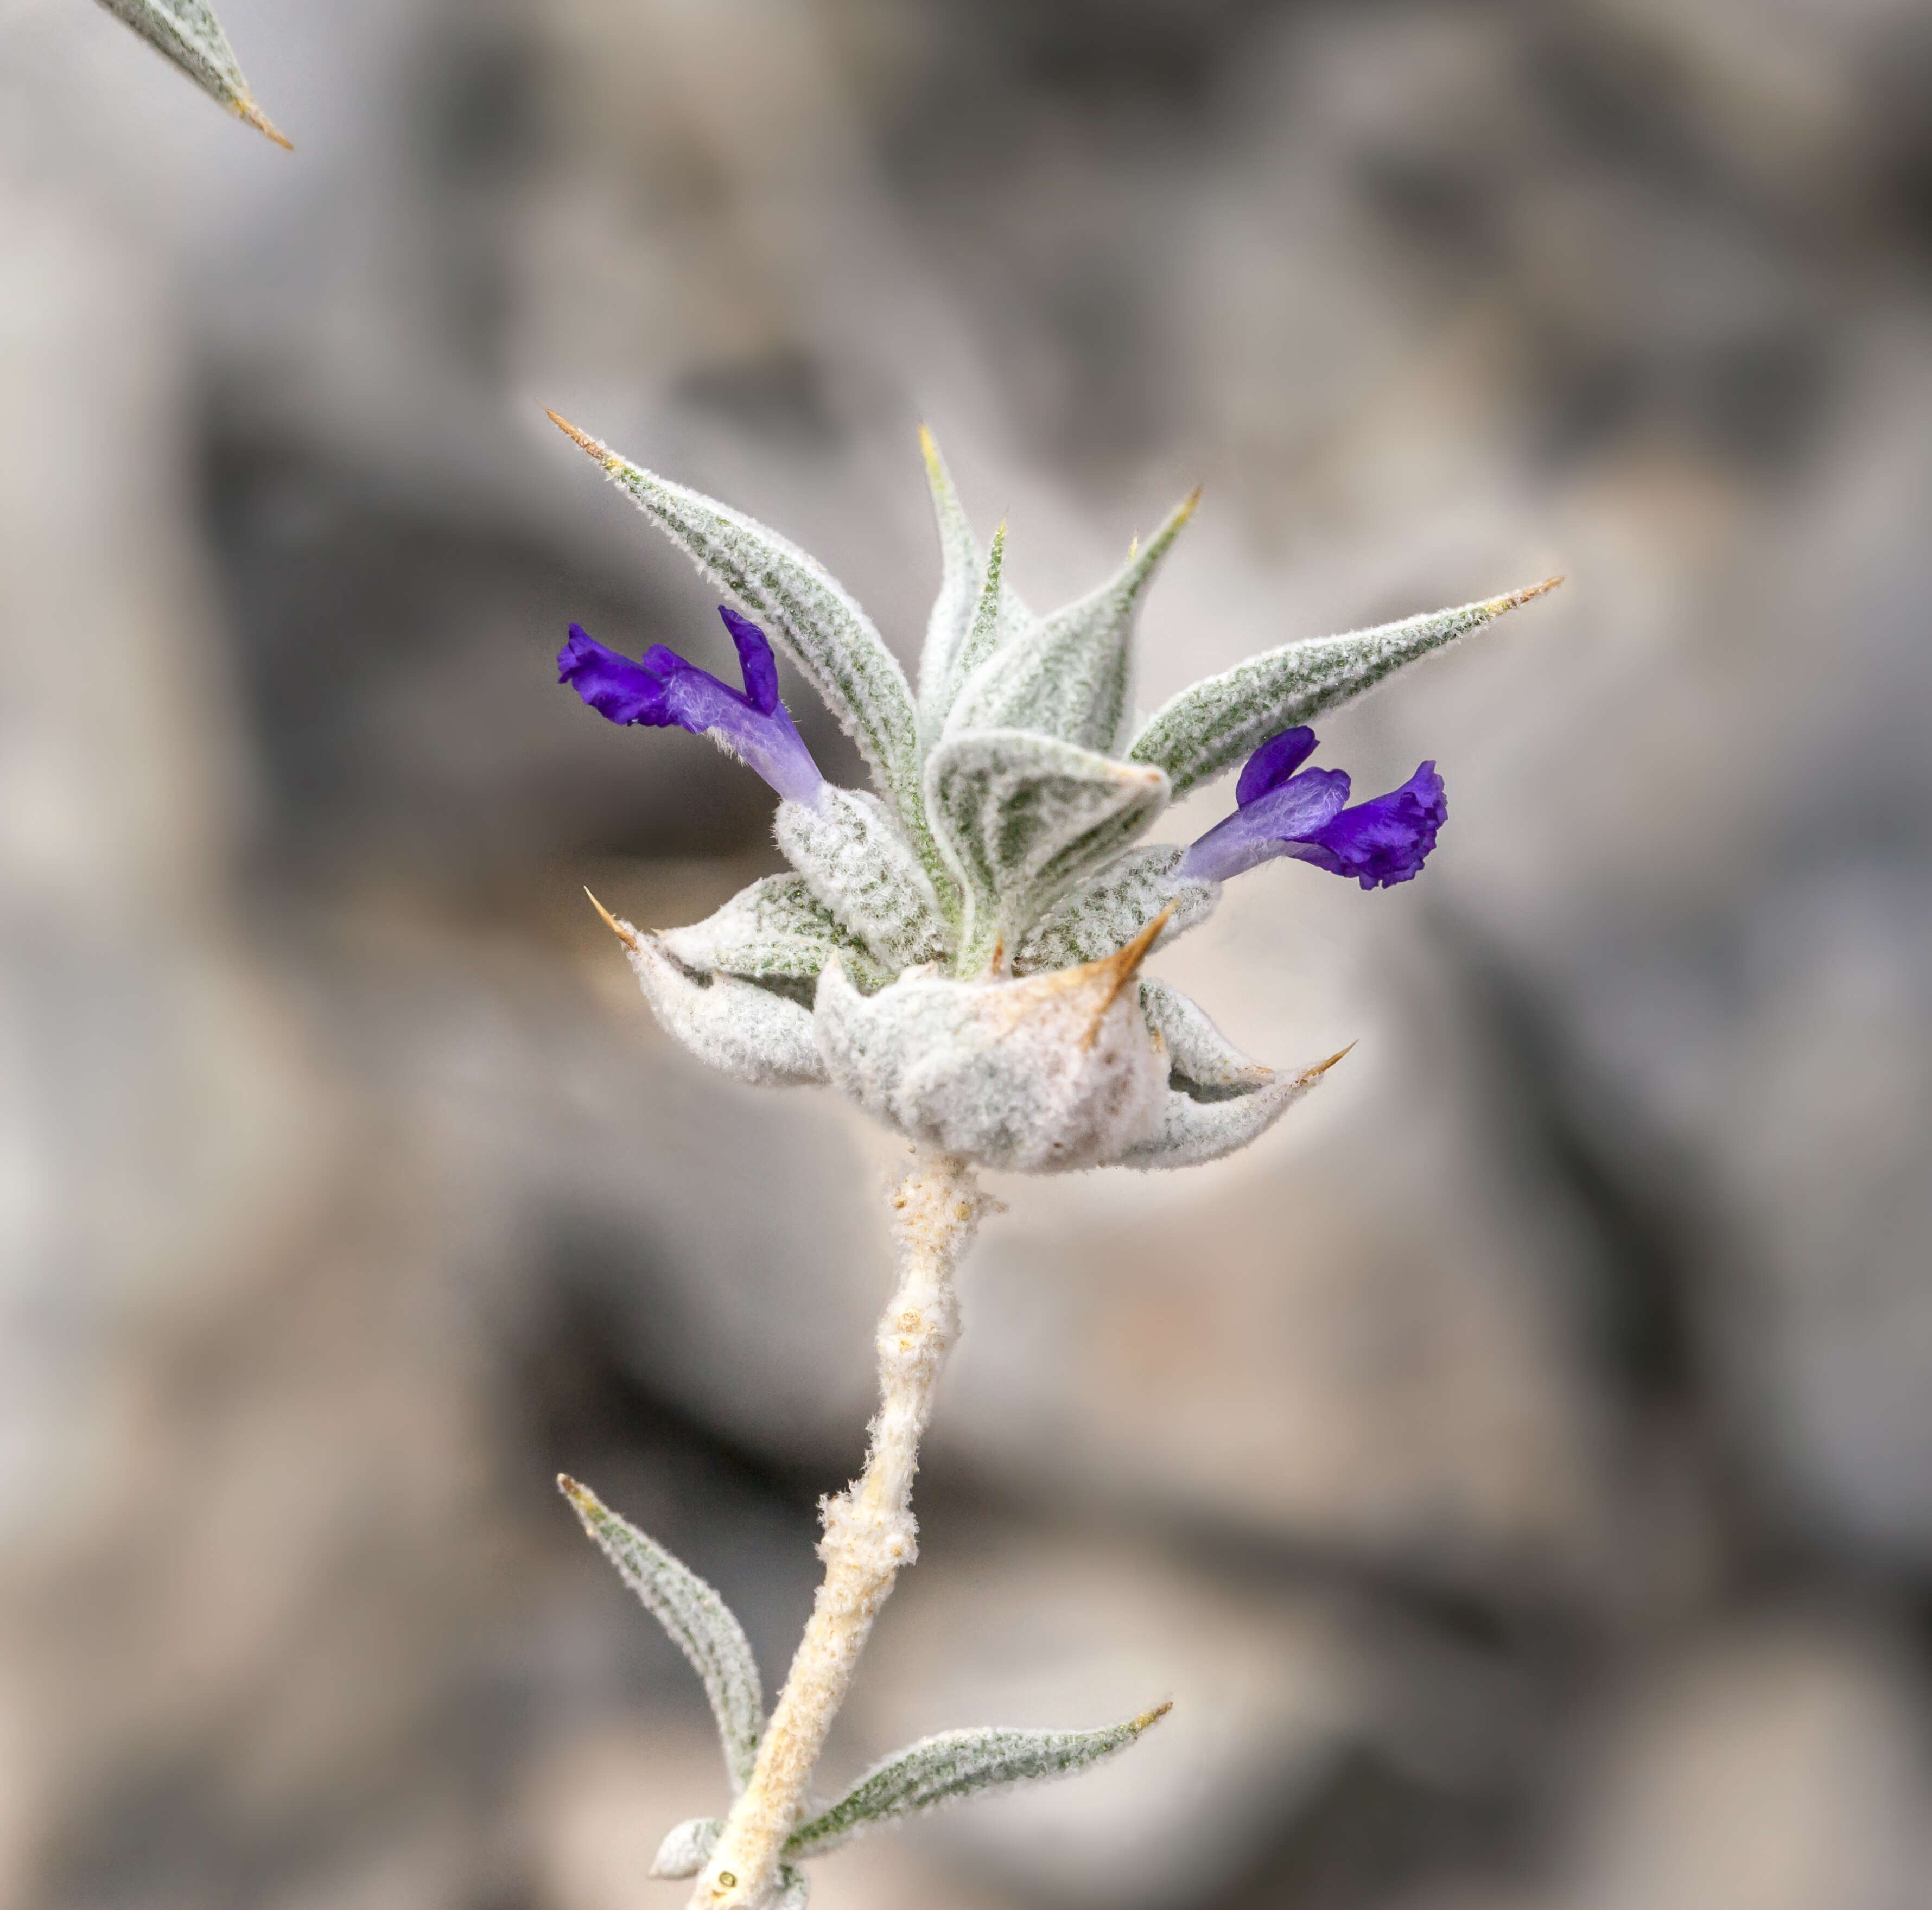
[(664, 689), (1279, 813)]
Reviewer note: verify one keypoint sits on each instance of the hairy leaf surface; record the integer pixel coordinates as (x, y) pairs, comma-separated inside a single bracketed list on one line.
[(188, 33), (1000, 623), (1112, 906), (1211, 1068), (1072, 677), (700, 1622), (1211, 725), (961, 575), (958, 1764), (776, 929), (744, 1028), (860, 865), (1021, 817)]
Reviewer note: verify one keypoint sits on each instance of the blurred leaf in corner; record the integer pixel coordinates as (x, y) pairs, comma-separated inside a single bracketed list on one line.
[(188, 33)]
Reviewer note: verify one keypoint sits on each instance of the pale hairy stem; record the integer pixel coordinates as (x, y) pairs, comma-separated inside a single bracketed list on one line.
[(869, 1531)]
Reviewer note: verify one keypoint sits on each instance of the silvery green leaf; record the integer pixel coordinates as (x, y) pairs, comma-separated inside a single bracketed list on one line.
[(685, 1847), (1021, 817), (794, 1889), (700, 1622), (1000, 623), (1073, 678), (188, 33), (1211, 725), (1209, 1065), (801, 604), (775, 930), (859, 865), (959, 582), (958, 1764), (1112, 906), (1193, 1129), (741, 1028)]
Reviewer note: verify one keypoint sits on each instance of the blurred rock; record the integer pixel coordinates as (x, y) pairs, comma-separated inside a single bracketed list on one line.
[(1273, 1696), (1444, 1455), (1807, 1732)]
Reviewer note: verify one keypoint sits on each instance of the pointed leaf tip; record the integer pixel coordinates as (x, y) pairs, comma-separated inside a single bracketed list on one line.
[(623, 930), (1146, 1718), (1131, 957), (248, 111), (1071, 676), (1511, 599), (597, 449), (187, 33), (1125, 965), (1340, 1055)]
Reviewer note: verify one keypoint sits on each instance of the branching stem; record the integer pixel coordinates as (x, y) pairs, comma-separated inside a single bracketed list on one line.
[(870, 1533)]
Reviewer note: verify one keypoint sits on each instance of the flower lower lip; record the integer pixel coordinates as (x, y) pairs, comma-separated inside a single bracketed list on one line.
[(665, 690), (1284, 811)]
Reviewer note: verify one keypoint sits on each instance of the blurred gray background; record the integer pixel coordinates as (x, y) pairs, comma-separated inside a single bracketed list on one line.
[(1518, 1467)]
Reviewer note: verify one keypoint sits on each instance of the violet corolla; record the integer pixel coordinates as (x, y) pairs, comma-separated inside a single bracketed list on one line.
[(959, 951), (1279, 813), (663, 689)]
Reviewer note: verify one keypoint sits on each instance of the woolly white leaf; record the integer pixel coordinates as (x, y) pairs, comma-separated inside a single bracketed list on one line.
[(1073, 677), (700, 1622), (958, 1764), (959, 583), (685, 1847), (1213, 724), (188, 33), (1211, 1067), (1042, 1076), (802, 605), (775, 930), (1021, 817), (739, 1027), (1000, 623), (1112, 906), (794, 1889), (1192, 1130), (858, 864)]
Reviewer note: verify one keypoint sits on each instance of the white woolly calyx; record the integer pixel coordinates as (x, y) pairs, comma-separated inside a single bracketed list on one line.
[(940, 942), (1056, 1071)]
